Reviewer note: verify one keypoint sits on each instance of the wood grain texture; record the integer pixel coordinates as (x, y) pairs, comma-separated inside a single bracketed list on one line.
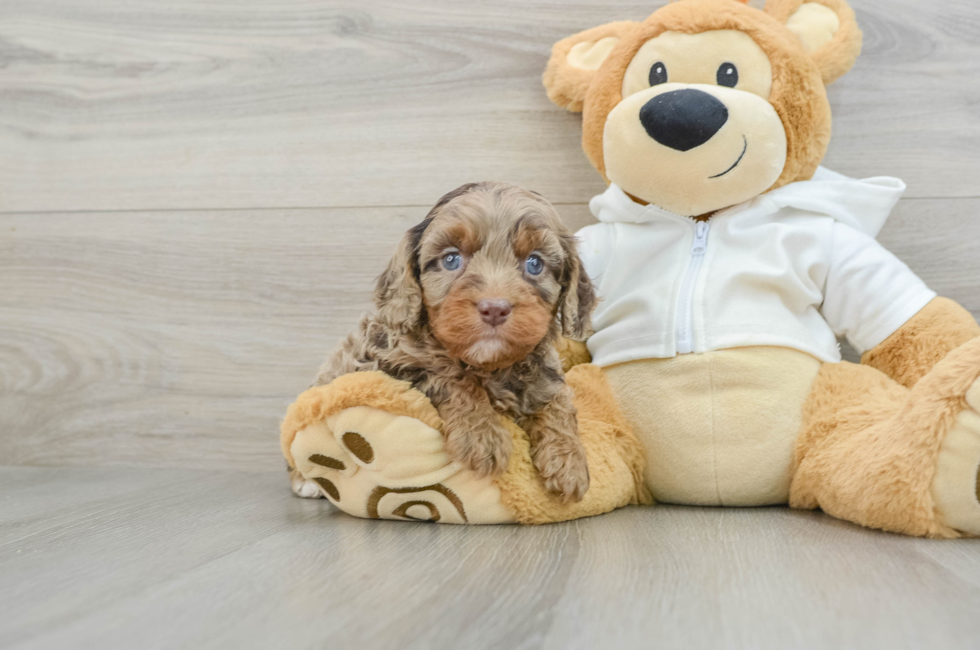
[(174, 558), (110, 105), (178, 339), (195, 198)]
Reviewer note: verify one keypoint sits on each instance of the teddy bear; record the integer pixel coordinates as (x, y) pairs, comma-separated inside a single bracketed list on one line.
[(728, 263)]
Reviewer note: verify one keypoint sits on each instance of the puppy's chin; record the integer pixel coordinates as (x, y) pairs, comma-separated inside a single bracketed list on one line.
[(495, 352), (489, 352)]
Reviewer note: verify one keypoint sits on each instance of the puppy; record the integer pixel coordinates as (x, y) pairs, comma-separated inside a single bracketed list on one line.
[(469, 311)]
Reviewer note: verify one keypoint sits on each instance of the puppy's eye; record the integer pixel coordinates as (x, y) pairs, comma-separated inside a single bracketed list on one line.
[(534, 265), (452, 261), (727, 75), (658, 73)]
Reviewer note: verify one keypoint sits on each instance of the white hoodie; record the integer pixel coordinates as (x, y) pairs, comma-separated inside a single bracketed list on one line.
[(795, 268)]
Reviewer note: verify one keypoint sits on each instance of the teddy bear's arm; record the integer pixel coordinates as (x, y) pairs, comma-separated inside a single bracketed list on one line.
[(912, 350)]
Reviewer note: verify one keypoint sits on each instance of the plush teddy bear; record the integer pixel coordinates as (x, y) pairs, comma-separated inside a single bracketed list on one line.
[(728, 262)]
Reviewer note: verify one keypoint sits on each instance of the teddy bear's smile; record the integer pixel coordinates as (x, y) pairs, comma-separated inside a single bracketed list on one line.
[(745, 147)]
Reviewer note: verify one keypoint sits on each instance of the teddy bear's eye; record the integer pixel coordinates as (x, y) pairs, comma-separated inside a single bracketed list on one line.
[(727, 75), (658, 73)]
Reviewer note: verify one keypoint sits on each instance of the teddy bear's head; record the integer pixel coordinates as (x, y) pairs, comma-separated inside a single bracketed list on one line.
[(706, 103)]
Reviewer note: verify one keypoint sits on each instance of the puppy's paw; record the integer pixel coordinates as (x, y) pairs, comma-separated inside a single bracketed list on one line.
[(304, 487), (563, 467), (486, 451)]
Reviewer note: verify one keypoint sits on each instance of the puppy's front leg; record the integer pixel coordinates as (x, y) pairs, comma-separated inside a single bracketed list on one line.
[(475, 435), (556, 449)]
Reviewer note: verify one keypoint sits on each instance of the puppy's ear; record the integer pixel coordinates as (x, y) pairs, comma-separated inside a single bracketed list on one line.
[(578, 297), (575, 60), (398, 293), (827, 28)]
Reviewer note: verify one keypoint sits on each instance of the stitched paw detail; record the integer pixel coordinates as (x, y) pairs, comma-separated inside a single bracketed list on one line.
[(430, 503), (373, 464)]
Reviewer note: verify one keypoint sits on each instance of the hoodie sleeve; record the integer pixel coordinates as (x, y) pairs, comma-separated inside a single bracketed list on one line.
[(870, 293), (595, 243)]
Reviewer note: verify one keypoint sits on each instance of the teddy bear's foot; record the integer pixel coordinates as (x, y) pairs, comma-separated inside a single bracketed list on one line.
[(372, 446), (380, 465), (885, 456), (955, 486)]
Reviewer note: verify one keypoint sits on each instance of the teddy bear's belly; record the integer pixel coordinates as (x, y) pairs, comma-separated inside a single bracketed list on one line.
[(720, 427)]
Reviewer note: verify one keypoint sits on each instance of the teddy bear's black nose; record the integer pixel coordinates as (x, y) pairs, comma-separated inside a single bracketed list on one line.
[(683, 119)]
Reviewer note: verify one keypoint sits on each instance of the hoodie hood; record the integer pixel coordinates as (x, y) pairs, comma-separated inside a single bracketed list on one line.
[(863, 204)]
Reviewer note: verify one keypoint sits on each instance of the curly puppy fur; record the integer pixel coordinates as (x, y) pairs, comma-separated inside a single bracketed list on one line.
[(432, 328)]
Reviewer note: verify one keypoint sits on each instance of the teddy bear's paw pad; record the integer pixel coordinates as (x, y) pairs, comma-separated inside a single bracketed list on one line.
[(435, 503), (956, 486), (318, 454), (372, 464), (399, 448)]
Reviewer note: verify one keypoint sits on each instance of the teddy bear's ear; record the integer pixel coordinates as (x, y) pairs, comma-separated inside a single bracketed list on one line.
[(827, 28), (574, 62)]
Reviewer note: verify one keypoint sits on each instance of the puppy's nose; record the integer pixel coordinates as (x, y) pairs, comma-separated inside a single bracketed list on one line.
[(683, 119), (494, 311)]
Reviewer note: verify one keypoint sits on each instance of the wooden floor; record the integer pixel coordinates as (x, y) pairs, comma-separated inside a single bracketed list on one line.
[(165, 558), (194, 199)]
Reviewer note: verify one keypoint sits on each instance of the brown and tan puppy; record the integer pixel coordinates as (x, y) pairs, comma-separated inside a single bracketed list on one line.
[(469, 310)]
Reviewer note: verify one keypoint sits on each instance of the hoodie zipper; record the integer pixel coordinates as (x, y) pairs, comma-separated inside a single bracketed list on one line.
[(685, 301)]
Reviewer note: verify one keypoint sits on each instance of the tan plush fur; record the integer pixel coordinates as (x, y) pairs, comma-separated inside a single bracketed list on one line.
[(798, 94), (430, 328), (616, 460), (615, 456), (572, 353), (567, 85), (719, 428), (869, 446), (908, 354), (838, 56), (375, 389)]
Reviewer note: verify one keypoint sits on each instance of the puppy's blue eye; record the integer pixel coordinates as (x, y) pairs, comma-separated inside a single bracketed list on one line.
[(452, 261), (534, 265)]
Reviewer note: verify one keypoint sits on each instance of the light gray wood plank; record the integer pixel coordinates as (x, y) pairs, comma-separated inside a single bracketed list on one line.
[(167, 558), (754, 579), (145, 105), (116, 531), (178, 340)]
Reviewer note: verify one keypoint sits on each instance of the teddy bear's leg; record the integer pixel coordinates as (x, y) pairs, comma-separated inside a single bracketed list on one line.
[(615, 455), (885, 456), (373, 446)]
